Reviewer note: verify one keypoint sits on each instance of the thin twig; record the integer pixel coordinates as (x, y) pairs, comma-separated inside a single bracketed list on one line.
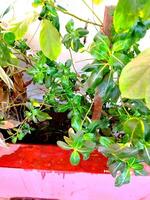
[(86, 115), (34, 33), (93, 12), (75, 16), (73, 62)]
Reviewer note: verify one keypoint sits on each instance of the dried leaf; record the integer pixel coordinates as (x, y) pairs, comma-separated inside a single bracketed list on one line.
[(9, 124), (2, 141), (6, 78)]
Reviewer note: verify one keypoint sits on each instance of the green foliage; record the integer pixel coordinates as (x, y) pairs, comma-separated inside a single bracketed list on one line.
[(20, 28), (75, 158), (127, 13), (134, 129), (118, 75), (73, 38), (80, 143), (131, 80), (35, 114), (20, 132), (9, 37), (50, 41)]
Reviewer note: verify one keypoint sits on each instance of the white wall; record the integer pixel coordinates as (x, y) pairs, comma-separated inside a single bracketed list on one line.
[(22, 7)]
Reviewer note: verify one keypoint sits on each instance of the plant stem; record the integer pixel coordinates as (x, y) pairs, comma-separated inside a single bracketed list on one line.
[(75, 16), (86, 115), (34, 33), (93, 12), (73, 63)]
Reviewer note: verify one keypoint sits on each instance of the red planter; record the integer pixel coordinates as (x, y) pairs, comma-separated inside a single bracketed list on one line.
[(45, 172), (48, 157)]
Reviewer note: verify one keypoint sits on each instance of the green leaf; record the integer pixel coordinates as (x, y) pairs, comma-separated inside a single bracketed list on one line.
[(20, 135), (127, 13), (70, 26), (123, 178), (106, 141), (63, 145), (76, 122), (20, 28), (75, 158), (5, 54), (100, 47), (9, 37), (67, 41), (50, 40), (146, 155), (89, 136), (42, 116), (121, 45), (75, 44), (14, 140), (37, 3), (137, 167), (134, 129), (116, 167), (86, 155), (68, 140), (82, 32), (140, 172), (134, 81)]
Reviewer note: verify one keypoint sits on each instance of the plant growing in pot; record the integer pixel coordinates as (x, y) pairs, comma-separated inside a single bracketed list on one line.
[(106, 106)]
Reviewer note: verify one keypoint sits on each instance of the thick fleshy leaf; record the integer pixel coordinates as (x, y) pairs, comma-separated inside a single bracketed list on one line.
[(63, 145), (50, 40), (115, 167), (76, 122), (135, 78), (123, 178), (127, 13), (75, 158)]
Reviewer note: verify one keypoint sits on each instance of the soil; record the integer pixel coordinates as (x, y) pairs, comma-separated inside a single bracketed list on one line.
[(47, 132)]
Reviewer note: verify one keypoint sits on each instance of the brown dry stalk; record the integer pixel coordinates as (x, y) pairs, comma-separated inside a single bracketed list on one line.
[(106, 29), (97, 107)]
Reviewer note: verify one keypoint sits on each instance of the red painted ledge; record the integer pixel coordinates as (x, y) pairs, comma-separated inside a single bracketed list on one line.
[(48, 157), (44, 171)]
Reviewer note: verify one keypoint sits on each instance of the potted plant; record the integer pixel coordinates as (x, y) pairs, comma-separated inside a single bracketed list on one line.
[(105, 107)]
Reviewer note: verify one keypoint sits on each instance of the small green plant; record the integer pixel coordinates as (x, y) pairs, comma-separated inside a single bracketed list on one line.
[(108, 103)]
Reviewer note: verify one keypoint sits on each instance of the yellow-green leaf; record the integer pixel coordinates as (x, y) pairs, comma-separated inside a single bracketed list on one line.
[(128, 12), (134, 128), (50, 40), (97, 1), (20, 28), (134, 81), (6, 78)]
